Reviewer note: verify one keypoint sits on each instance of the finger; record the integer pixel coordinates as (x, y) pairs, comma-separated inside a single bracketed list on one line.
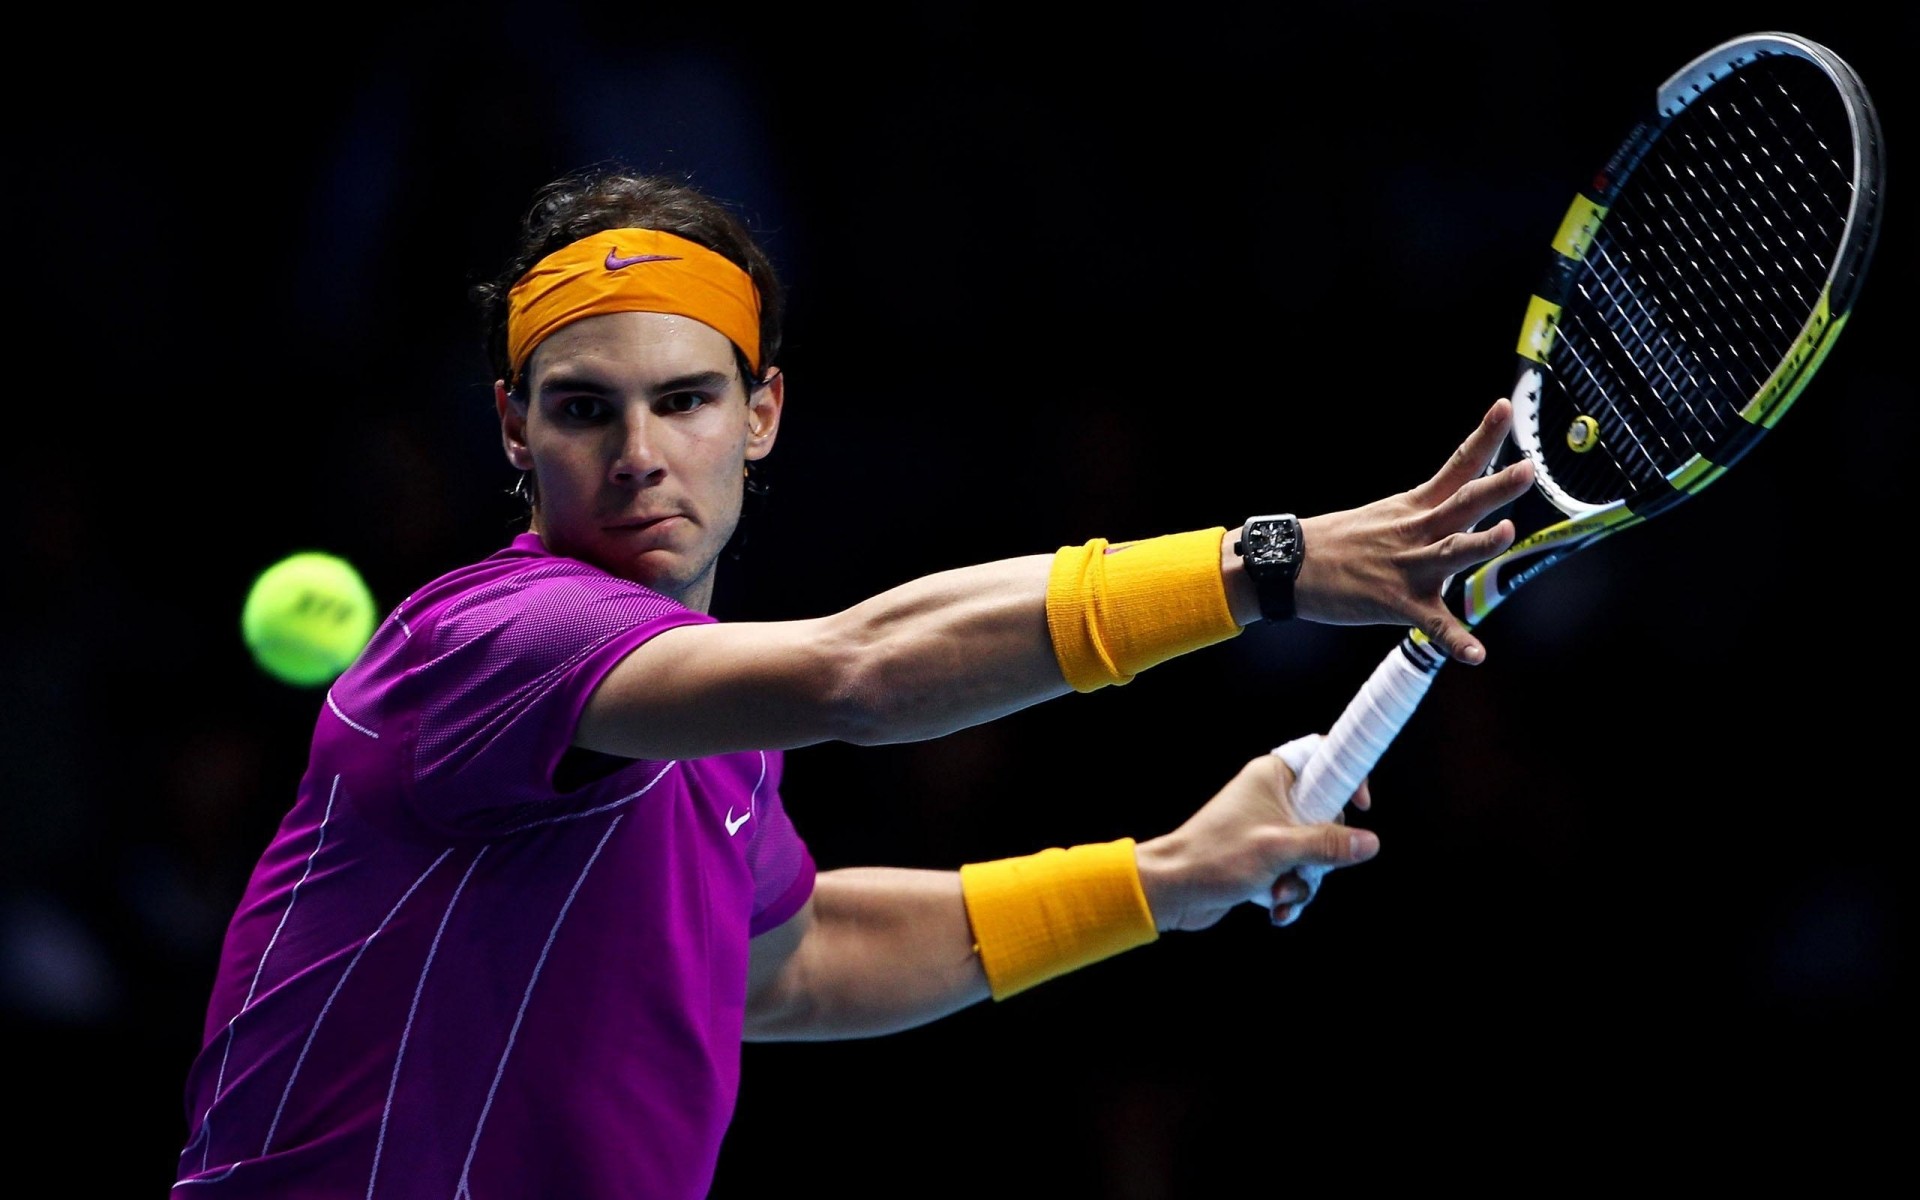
[(1489, 493), (1290, 889), (1475, 501), (1450, 633), (1328, 845), (1471, 458), (1362, 797), (1461, 551), (1289, 912)]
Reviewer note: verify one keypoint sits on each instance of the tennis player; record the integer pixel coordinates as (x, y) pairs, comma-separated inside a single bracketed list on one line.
[(537, 883)]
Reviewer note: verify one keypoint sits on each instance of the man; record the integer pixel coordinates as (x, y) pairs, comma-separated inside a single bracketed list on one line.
[(538, 882)]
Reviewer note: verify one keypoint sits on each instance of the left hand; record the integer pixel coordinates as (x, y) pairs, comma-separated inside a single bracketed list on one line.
[(1389, 561)]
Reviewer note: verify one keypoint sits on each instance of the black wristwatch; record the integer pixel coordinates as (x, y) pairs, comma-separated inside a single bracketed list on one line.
[(1271, 549)]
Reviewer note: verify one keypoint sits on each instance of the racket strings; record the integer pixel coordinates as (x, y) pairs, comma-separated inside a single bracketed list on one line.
[(1700, 280)]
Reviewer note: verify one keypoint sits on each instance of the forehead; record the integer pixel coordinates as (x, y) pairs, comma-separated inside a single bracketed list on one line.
[(635, 348)]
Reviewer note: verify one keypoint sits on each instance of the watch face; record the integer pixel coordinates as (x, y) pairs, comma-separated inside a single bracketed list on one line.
[(1273, 546)]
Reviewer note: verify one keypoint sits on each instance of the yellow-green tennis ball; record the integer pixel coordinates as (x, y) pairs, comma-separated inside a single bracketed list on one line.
[(307, 617)]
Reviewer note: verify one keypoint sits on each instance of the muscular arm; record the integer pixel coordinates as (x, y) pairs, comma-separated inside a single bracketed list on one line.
[(878, 949), (961, 647), (930, 657), (874, 951), (925, 659)]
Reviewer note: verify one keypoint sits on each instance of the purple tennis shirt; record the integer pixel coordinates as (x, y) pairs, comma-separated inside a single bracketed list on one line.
[(475, 962)]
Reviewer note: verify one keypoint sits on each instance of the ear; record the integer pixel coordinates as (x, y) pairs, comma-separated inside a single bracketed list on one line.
[(513, 427), (764, 406)]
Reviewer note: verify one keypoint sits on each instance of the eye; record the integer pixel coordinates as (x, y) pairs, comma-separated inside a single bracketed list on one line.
[(582, 408), (683, 402)]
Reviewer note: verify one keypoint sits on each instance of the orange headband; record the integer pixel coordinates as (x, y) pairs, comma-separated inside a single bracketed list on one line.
[(632, 270)]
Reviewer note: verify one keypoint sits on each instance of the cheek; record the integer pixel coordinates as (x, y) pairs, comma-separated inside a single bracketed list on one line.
[(562, 469), (718, 452)]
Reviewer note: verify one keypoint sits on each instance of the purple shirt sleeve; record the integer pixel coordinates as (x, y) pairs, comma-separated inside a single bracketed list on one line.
[(506, 674)]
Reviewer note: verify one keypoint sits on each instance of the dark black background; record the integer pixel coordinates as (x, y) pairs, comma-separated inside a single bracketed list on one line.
[(1643, 886)]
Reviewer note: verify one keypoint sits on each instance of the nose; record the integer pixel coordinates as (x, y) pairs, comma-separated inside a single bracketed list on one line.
[(637, 460)]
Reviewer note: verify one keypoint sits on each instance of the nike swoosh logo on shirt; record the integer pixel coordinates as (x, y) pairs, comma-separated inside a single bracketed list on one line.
[(733, 826), (615, 262)]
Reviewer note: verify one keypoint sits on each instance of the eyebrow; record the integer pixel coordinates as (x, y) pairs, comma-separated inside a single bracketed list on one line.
[(563, 380)]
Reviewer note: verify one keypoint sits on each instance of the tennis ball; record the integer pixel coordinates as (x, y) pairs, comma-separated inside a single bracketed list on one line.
[(307, 617)]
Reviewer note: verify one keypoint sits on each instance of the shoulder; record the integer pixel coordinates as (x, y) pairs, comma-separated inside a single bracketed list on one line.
[(519, 618), (527, 590)]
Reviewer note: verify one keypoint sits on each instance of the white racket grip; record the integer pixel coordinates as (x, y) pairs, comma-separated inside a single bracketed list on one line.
[(1354, 745)]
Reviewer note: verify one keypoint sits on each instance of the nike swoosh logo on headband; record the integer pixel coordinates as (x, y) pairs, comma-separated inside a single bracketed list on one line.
[(615, 262)]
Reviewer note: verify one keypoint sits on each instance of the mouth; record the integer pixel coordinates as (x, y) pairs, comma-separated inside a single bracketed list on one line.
[(640, 524)]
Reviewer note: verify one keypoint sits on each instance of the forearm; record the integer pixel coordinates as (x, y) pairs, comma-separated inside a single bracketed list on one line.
[(877, 950), (946, 652), (927, 658), (939, 654), (965, 646), (882, 949)]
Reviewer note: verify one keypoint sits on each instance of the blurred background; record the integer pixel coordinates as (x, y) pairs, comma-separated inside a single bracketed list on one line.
[(1643, 888)]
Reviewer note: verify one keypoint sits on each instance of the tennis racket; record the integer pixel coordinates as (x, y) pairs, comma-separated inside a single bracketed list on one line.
[(1696, 284)]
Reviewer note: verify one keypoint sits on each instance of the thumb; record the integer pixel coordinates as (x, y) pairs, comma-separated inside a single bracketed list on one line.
[(1331, 845)]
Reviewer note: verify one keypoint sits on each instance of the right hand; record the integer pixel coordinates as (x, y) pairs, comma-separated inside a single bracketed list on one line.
[(1389, 561), (1245, 844)]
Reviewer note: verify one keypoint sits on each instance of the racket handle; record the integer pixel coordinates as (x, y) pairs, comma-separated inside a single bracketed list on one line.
[(1349, 751), (1375, 715)]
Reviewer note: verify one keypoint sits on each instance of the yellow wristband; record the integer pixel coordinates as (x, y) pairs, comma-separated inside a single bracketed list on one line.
[(1043, 915), (1115, 610)]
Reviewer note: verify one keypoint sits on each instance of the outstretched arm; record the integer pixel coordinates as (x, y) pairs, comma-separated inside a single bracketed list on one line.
[(878, 950), (960, 647)]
